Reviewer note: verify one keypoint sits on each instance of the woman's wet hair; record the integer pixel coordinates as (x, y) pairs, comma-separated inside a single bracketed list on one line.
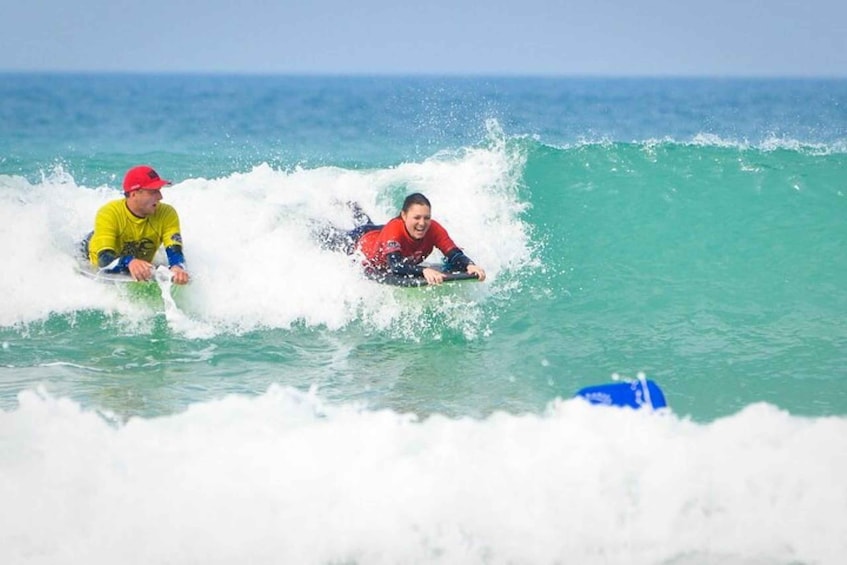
[(416, 198)]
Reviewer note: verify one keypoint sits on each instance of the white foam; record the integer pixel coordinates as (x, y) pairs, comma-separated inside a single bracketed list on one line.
[(247, 239), (40, 226), (284, 478)]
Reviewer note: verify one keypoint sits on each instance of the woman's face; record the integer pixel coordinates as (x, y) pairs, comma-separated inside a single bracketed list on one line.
[(417, 220)]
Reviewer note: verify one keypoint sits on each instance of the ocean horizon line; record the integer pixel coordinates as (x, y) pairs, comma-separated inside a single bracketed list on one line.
[(766, 77)]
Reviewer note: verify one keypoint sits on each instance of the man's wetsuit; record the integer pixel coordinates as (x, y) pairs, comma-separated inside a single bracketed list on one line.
[(119, 234)]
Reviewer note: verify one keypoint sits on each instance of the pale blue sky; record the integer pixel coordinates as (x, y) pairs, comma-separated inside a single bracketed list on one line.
[(537, 37)]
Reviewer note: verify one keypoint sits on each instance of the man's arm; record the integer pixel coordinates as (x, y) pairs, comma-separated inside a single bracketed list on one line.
[(109, 260), (172, 240), (103, 245)]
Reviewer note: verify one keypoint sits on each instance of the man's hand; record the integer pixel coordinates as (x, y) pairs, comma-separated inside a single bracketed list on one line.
[(179, 275), (140, 269)]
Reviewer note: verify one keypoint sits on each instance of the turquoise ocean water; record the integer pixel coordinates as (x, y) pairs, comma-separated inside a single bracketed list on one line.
[(282, 409)]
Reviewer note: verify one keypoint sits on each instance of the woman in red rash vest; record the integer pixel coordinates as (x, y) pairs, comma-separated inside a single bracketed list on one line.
[(400, 246)]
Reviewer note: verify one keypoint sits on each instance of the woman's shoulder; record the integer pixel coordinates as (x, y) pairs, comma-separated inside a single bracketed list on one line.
[(437, 229), (394, 225)]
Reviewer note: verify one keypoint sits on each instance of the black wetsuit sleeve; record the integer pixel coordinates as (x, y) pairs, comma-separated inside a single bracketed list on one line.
[(106, 257), (456, 260), (399, 265)]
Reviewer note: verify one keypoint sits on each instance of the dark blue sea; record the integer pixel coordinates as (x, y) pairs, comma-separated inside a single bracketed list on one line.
[(282, 408)]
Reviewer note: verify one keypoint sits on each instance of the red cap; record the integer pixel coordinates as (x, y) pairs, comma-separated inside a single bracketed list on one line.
[(143, 177)]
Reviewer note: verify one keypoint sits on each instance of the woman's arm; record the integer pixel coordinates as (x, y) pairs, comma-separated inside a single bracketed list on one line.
[(458, 261), (402, 266)]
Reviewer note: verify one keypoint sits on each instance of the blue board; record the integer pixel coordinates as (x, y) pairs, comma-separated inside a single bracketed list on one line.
[(642, 393)]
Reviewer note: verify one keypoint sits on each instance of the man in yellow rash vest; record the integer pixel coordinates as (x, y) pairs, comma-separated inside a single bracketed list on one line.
[(128, 232)]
